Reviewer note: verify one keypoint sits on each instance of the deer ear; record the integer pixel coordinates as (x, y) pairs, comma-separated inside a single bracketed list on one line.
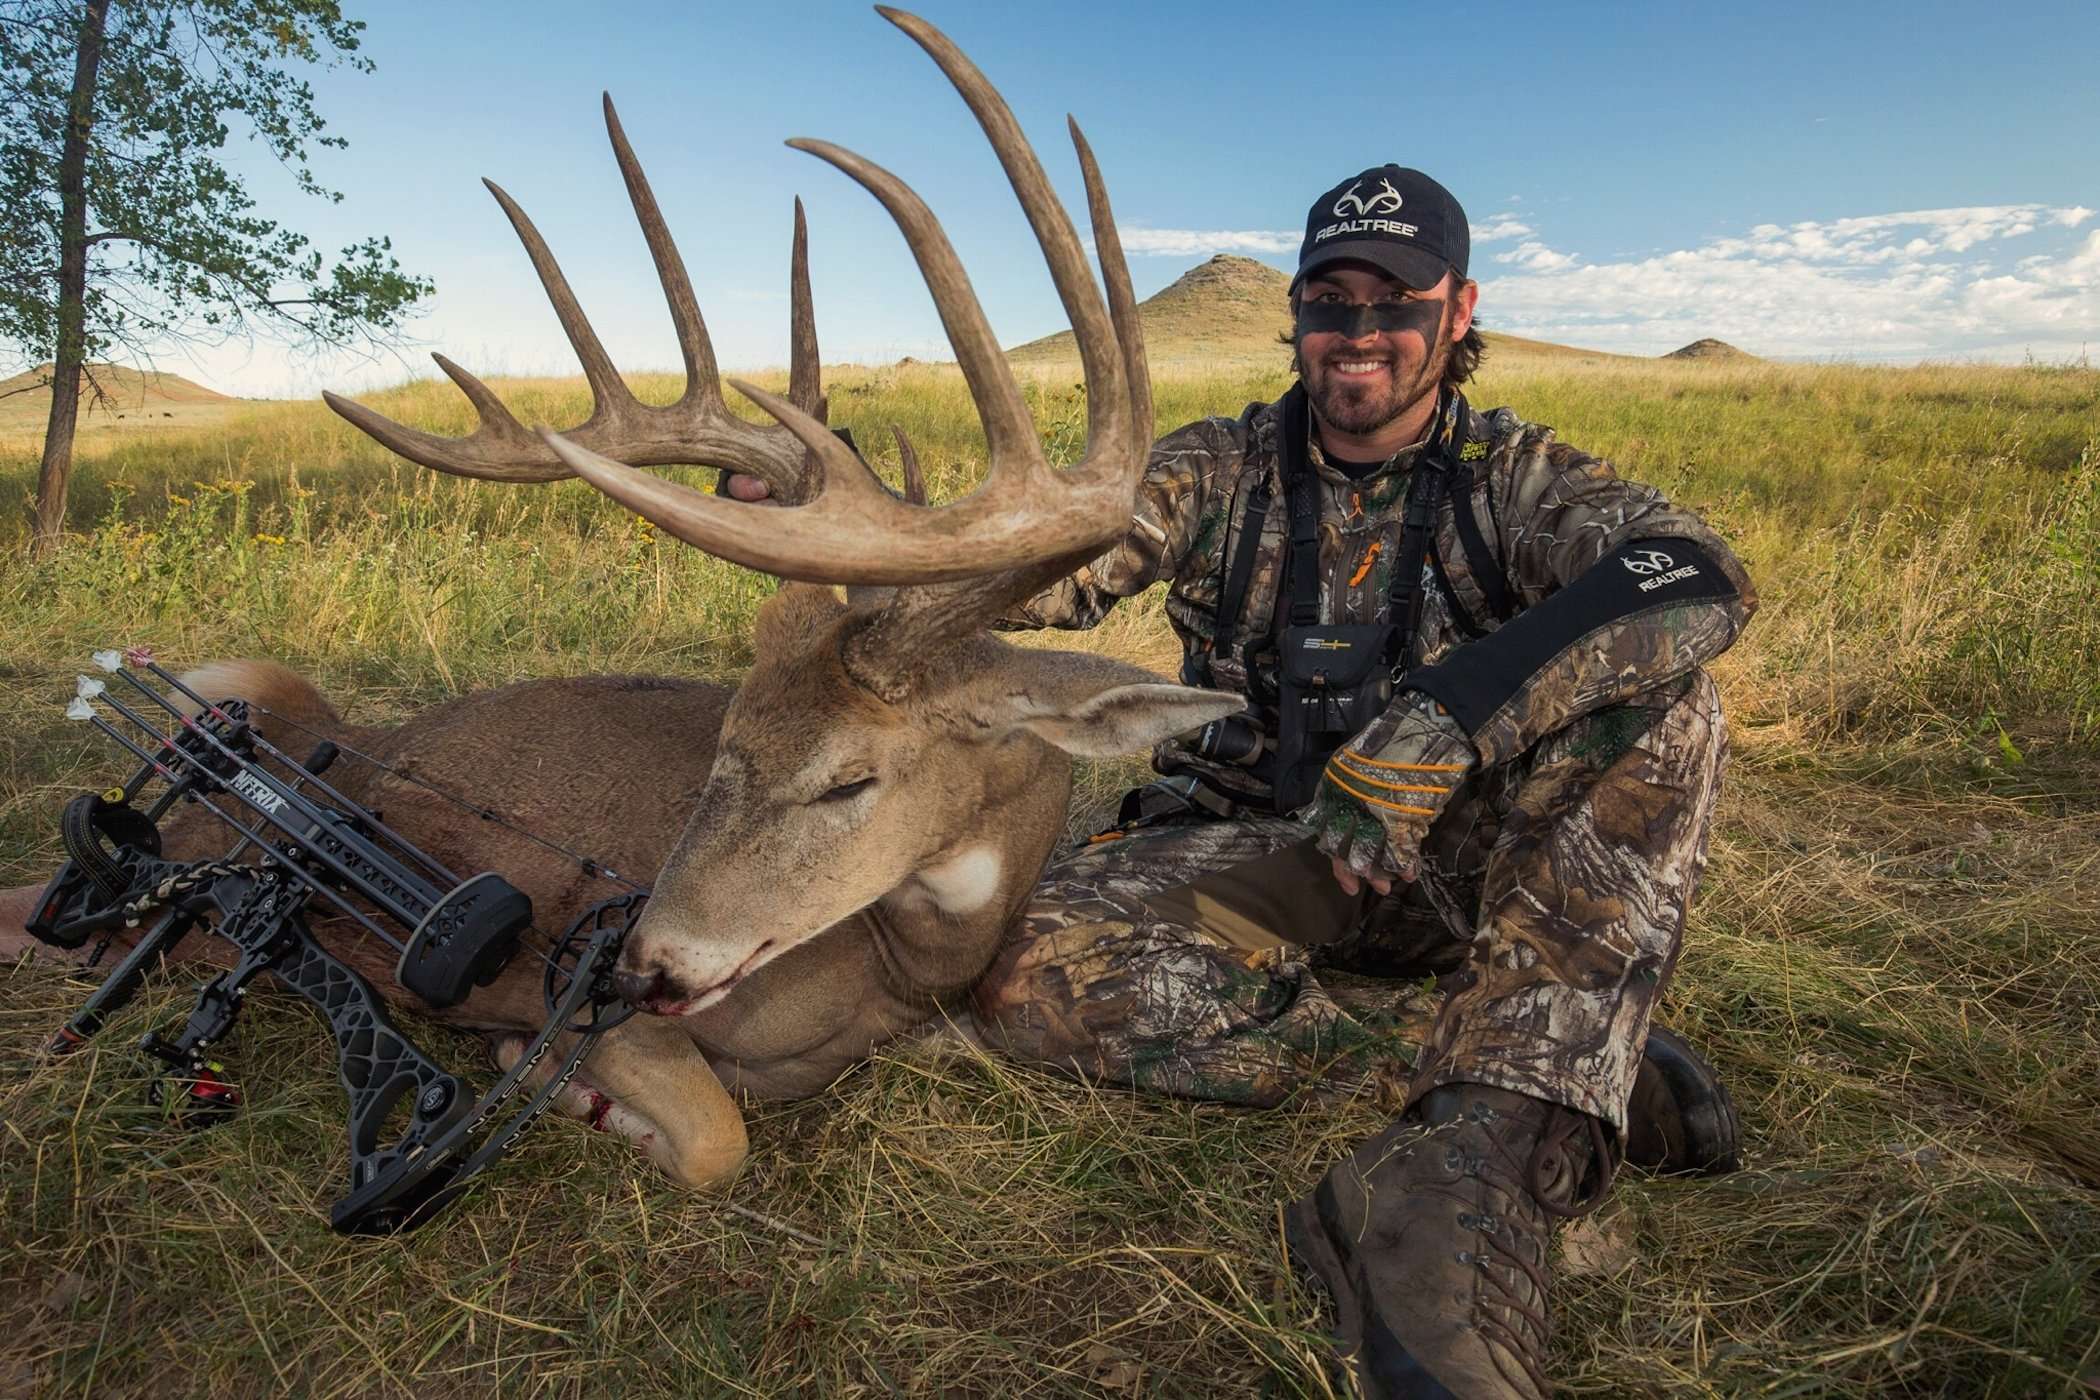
[(790, 616), (1131, 718), (1089, 706)]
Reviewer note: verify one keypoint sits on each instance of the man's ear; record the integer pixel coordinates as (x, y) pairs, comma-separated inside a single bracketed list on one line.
[(1089, 706), (1462, 304)]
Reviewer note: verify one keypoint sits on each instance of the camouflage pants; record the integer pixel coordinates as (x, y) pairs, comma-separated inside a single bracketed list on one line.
[(1182, 957)]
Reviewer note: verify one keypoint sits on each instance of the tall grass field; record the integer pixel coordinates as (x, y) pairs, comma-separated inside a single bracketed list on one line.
[(1895, 959)]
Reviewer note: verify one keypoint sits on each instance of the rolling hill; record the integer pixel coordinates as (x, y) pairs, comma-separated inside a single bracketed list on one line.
[(1229, 311), (109, 394), (1710, 349)]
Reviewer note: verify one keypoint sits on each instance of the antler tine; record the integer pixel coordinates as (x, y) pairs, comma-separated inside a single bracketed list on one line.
[(698, 429), (1122, 300), (702, 376), (804, 390), (1009, 432), (487, 406), (609, 392), (499, 449), (1108, 401), (494, 452), (914, 479), (840, 472)]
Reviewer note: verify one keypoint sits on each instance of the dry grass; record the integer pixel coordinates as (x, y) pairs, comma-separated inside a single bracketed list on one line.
[(1893, 963)]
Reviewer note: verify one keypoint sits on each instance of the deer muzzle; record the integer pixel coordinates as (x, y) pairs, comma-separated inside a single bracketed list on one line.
[(646, 981)]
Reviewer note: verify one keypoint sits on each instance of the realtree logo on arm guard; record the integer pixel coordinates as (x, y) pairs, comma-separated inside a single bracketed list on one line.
[(1654, 561)]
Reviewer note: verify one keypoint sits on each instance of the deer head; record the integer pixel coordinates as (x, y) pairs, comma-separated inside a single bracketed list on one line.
[(885, 746)]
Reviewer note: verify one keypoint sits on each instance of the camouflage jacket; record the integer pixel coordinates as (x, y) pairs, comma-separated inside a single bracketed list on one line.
[(1547, 512)]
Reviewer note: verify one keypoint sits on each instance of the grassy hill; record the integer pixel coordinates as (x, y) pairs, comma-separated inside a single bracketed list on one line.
[(1710, 349), (109, 395), (1228, 312)]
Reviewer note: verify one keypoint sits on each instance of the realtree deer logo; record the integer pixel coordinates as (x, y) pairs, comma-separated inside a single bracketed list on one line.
[(1386, 200), (1649, 561)]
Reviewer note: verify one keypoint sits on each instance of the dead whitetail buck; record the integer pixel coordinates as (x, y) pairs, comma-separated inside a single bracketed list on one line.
[(837, 844)]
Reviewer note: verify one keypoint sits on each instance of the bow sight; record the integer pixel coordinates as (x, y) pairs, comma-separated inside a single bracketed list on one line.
[(300, 840)]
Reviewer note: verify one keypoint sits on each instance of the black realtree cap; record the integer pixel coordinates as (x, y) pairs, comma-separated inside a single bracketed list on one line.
[(1394, 218)]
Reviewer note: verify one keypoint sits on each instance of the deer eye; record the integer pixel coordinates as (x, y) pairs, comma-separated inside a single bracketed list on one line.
[(846, 790)]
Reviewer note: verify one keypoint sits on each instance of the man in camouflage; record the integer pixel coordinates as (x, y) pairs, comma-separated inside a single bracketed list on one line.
[(1525, 818)]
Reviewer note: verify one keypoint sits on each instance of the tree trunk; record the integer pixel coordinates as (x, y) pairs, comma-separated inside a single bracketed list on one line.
[(70, 354)]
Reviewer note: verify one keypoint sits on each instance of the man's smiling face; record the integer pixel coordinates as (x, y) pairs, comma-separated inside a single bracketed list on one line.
[(1363, 376)]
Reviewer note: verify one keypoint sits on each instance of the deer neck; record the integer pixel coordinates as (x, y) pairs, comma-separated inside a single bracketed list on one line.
[(938, 931)]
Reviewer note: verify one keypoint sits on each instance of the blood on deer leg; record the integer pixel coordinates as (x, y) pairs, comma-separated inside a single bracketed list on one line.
[(648, 1082)]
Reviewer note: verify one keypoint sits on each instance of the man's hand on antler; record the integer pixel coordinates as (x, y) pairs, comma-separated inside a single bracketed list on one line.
[(1382, 791), (741, 486)]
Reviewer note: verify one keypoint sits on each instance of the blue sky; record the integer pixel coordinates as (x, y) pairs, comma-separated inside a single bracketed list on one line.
[(1863, 181)]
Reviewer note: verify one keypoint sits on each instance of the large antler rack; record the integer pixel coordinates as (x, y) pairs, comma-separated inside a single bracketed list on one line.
[(697, 429), (840, 523)]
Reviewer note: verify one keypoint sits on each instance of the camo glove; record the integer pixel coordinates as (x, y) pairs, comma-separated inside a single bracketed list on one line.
[(1382, 791)]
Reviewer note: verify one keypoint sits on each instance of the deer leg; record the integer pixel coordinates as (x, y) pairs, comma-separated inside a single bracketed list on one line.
[(16, 906), (649, 1083), (17, 944)]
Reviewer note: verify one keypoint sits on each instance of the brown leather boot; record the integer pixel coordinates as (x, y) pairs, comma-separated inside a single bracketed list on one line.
[(1432, 1241)]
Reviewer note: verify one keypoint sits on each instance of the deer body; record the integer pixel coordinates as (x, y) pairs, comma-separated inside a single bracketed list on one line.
[(617, 767)]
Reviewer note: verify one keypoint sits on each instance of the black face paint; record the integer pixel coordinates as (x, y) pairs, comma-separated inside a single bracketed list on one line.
[(1422, 316)]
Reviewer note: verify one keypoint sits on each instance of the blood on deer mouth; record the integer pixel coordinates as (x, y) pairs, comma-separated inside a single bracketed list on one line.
[(708, 996)]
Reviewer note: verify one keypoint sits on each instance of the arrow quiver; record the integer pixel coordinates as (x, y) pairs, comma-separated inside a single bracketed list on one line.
[(298, 842)]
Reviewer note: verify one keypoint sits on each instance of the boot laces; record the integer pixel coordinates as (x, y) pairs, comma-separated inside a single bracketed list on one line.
[(1511, 1280)]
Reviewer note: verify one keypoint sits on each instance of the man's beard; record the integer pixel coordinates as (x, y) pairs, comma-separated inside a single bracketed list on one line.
[(1362, 409)]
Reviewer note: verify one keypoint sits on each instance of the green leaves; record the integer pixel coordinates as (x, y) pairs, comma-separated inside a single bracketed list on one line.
[(174, 245)]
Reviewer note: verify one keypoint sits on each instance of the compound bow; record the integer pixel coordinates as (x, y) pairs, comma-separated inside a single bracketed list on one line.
[(299, 841)]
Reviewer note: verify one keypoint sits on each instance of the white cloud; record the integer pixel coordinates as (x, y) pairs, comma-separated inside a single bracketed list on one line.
[(1498, 227), (1870, 238), (1880, 285), (1196, 243), (1534, 256)]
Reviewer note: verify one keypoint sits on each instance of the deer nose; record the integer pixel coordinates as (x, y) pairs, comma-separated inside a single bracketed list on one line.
[(641, 988)]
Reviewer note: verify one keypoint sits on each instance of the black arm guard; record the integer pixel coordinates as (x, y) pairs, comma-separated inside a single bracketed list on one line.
[(1640, 577)]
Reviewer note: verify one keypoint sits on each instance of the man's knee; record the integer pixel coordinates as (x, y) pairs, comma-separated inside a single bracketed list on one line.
[(1029, 1002)]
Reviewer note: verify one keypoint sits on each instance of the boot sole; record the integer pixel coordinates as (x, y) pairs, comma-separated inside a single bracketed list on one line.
[(1309, 1238), (1713, 1133)]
